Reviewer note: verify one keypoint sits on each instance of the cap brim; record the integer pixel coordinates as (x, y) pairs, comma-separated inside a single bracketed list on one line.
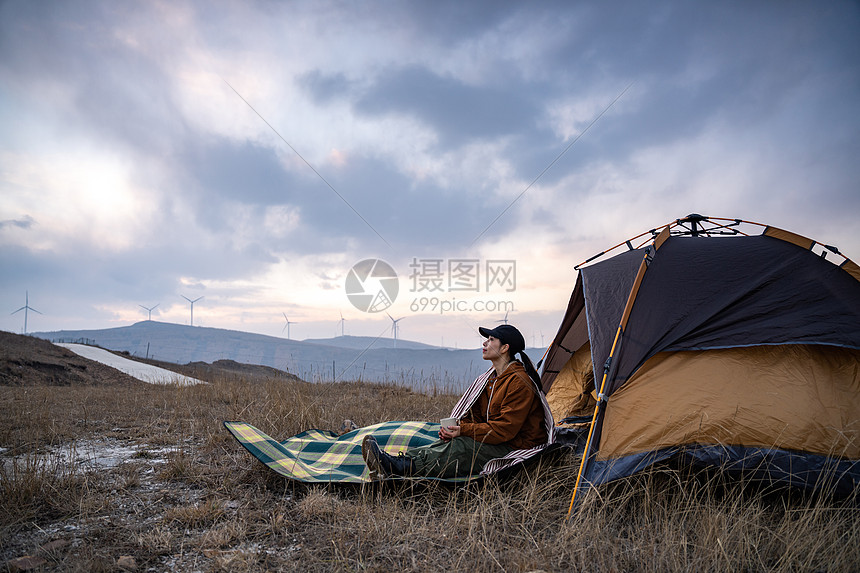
[(485, 332)]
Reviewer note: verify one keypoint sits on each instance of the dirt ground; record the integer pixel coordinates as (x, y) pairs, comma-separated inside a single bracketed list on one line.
[(103, 472), (106, 493)]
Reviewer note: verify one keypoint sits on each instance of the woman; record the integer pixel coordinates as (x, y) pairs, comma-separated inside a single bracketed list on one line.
[(505, 414)]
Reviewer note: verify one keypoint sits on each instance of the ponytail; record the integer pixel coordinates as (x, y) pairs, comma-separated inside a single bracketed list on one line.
[(530, 369)]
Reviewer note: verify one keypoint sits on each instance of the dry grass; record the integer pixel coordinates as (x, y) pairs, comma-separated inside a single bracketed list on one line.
[(190, 498)]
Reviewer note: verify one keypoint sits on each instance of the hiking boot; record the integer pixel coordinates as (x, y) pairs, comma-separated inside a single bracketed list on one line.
[(370, 452), (381, 464)]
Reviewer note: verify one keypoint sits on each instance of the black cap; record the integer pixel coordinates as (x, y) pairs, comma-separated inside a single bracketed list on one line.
[(507, 334)]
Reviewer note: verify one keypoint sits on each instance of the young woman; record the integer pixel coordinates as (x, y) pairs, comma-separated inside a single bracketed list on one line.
[(506, 414)]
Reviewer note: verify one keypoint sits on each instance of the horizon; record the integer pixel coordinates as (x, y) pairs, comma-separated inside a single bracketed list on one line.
[(282, 338)]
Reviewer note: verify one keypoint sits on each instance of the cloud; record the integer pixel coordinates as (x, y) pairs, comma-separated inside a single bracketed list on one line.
[(130, 170), (457, 111), (23, 223)]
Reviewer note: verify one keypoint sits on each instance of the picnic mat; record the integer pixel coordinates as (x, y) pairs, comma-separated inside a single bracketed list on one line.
[(317, 456), (323, 456)]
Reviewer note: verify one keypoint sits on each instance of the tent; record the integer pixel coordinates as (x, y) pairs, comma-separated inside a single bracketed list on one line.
[(717, 342)]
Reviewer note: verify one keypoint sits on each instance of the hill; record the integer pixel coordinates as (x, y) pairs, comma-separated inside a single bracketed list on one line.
[(29, 361), (362, 342), (343, 358), (32, 361)]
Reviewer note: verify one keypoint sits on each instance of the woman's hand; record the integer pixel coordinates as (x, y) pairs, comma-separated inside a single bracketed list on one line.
[(448, 433)]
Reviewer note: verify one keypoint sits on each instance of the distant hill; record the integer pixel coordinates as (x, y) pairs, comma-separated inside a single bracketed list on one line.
[(362, 342), (342, 358)]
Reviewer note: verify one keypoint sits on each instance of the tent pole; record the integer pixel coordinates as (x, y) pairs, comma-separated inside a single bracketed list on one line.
[(625, 316), (593, 423), (671, 225)]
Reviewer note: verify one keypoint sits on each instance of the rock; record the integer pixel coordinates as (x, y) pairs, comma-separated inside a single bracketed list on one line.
[(126, 563), (347, 426), (54, 546), (25, 563)]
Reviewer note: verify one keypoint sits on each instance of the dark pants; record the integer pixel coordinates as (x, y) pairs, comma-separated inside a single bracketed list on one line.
[(461, 456)]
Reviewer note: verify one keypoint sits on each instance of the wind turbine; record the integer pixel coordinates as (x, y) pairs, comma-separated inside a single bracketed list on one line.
[(26, 308), (342, 320), (149, 310), (505, 320), (394, 327), (287, 326), (192, 306)]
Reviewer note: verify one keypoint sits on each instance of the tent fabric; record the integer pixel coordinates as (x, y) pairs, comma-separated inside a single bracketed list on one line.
[(606, 291), (572, 390), (707, 293), (851, 268), (795, 469), (788, 236), (742, 351), (571, 336), (798, 401)]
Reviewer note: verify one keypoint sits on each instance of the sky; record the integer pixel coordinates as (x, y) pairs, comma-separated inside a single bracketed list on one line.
[(257, 153)]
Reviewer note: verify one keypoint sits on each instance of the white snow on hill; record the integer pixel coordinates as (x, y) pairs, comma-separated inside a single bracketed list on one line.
[(145, 372)]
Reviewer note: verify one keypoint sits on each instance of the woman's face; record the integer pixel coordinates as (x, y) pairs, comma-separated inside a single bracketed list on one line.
[(492, 349)]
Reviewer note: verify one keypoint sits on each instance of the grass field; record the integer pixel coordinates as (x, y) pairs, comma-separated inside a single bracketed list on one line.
[(96, 478)]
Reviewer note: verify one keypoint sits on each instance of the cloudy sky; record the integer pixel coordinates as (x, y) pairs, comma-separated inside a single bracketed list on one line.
[(251, 153)]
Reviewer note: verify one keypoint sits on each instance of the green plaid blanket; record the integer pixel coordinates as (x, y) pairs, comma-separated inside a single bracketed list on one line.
[(317, 456)]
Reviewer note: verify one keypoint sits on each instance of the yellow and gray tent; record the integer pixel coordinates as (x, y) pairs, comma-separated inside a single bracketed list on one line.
[(718, 346)]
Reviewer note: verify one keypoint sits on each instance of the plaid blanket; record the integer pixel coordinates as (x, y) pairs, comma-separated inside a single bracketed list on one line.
[(322, 456), (317, 456)]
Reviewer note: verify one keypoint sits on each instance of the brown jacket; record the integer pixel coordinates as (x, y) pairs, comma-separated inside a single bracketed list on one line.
[(515, 412)]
